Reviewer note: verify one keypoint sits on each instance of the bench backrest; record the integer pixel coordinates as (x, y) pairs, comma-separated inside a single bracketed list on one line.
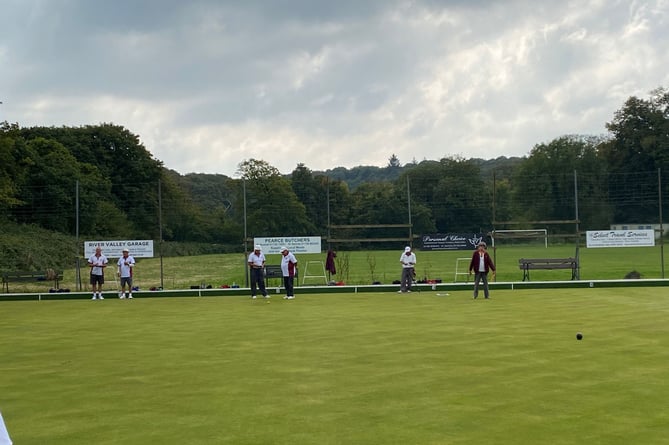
[(547, 263), (40, 276), (273, 271), (32, 276)]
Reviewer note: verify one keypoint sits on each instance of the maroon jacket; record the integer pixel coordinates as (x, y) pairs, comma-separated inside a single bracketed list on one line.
[(474, 264)]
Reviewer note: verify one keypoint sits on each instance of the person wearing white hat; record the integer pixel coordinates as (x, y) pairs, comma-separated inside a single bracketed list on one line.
[(288, 270), (125, 266), (97, 262), (256, 265), (408, 260), (481, 264)]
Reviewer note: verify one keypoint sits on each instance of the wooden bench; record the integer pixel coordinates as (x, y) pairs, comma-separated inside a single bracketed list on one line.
[(274, 271), (27, 277), (527, 264)]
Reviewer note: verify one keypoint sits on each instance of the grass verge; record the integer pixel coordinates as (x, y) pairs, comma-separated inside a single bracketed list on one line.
[(352, 368)]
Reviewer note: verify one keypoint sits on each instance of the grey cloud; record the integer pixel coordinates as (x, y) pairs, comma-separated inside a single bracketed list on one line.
[(422, 78)]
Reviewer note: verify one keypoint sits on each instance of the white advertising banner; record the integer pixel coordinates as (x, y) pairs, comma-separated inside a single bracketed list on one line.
[(114, 249), (620, 238), (296, 244)]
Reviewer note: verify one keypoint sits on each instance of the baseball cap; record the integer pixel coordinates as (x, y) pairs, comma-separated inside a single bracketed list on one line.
[(257, 248), (407, 249), (284, 248), (126, 250)]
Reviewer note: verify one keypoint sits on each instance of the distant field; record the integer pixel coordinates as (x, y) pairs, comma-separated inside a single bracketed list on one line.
[(376, 368), (366, 267)]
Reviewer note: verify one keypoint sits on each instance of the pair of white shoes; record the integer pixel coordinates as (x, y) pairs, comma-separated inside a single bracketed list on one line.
[(289, 297), (265, 297), (97, 297), (122, 295)]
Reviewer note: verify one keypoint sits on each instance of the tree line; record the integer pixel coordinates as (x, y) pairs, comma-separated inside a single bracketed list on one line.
[(100, 181)]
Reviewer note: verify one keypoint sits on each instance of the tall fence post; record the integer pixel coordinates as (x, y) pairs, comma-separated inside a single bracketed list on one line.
[(659, 193)]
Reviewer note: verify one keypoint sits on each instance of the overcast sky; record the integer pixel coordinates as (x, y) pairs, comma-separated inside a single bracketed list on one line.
[(207, 84)]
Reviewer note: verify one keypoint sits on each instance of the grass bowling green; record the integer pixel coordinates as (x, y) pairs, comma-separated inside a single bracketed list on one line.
[(366, 368)]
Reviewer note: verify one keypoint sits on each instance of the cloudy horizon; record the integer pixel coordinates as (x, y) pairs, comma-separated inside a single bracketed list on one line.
[(207, 84)]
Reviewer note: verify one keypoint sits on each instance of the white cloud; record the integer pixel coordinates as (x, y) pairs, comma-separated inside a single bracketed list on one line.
[(207, 84)]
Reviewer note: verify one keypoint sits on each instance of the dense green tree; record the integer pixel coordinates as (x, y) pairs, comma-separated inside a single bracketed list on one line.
[(503, 201), (544, 185), (455, 191), (639, 146), (256, 169), (377, 203), (272, 208), (214, 214), (123, 161), (310, 192), (363, 174), (49, 195), (118, 182), (338, 200), (325, 199), (12, 166)]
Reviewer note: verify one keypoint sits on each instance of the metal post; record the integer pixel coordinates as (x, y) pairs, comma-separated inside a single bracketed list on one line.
[(578, 236), (409, 210), (494, 196), (160, 232), (77, 272), (246, 251), (327, 180), (659, 190)]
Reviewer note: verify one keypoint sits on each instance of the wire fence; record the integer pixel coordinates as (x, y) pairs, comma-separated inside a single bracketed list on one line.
[(227, 215)]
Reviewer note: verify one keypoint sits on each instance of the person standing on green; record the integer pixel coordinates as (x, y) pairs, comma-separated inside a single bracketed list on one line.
[(408, 260), (97, 262), (125, 265), (288, 270), (481, 264), (257, 265)]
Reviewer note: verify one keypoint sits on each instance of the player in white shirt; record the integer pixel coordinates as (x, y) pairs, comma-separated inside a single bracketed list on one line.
[(256, 265), (97, 262), (408, 260), (125, 265), (288, 270)]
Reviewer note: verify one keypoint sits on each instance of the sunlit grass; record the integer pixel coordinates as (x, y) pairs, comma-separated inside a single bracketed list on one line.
[(377, 368)]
